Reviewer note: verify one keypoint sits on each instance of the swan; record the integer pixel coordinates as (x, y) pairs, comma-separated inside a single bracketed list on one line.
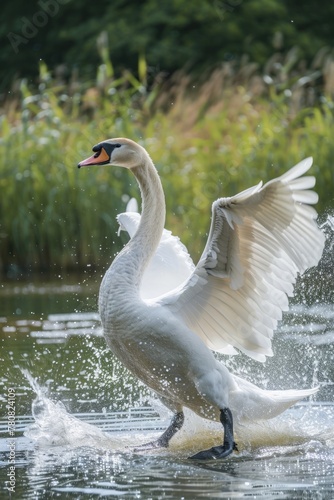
[(170, 265), (259, 240)]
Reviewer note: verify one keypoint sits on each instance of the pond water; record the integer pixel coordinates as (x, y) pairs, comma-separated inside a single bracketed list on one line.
[(79, 413)]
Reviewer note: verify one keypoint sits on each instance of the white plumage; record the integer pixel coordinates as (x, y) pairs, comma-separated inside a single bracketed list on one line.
[(171, 264), (162, 316)]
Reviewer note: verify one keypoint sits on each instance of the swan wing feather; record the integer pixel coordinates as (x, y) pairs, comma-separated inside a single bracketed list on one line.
[(170, 265), (258, 242)]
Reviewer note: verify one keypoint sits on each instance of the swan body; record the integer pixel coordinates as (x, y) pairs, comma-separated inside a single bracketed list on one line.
[(259, 241)]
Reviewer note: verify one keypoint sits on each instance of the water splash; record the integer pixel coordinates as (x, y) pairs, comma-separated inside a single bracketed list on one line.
[(302, 427), (54, 426), (328, 228), (299, 427)]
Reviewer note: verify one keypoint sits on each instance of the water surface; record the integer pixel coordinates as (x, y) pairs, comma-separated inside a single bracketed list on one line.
[(79, 414)]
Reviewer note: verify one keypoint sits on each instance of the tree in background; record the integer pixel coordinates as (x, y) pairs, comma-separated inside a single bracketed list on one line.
[(172, 34)]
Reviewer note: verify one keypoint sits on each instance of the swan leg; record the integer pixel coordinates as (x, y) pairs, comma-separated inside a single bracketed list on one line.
[(163, 440), (228, 446)]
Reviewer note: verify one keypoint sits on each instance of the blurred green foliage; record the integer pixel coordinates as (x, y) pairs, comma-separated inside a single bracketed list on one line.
[(171, 33), (208, 137)]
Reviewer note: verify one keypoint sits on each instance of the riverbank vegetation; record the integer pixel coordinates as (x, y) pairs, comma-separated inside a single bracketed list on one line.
[(209, 136)]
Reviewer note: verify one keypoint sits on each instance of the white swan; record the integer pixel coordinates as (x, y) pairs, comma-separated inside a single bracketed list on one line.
[(259, 241), (171, 264)]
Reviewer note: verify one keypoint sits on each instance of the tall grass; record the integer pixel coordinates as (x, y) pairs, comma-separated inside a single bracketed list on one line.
[(208, 139)]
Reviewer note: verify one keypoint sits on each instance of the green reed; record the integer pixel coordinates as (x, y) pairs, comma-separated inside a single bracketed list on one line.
[(213, 140)]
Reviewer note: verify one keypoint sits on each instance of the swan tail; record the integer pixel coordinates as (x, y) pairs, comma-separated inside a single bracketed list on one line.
[(249, 402)]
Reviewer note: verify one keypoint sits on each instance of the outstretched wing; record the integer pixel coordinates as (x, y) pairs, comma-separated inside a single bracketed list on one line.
[(259, 241)]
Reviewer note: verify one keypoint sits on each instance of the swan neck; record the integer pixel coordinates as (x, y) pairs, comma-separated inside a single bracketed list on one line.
[(129, 266), (153, 213)]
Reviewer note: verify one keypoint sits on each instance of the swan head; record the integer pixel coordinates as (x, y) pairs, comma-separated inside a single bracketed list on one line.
[(117, 152)]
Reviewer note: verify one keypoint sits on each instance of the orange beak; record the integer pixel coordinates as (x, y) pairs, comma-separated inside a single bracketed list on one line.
[(101, 157)]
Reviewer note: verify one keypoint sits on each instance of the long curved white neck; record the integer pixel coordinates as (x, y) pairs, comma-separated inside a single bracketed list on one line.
[(130, 264)]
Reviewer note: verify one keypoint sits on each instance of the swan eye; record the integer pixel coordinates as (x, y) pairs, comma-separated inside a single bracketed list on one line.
[(110, 147)]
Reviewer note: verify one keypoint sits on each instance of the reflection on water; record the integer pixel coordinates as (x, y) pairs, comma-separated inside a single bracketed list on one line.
[(79, 414)]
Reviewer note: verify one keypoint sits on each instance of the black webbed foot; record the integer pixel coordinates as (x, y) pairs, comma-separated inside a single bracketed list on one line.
[(223, 451), (216, 452)]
